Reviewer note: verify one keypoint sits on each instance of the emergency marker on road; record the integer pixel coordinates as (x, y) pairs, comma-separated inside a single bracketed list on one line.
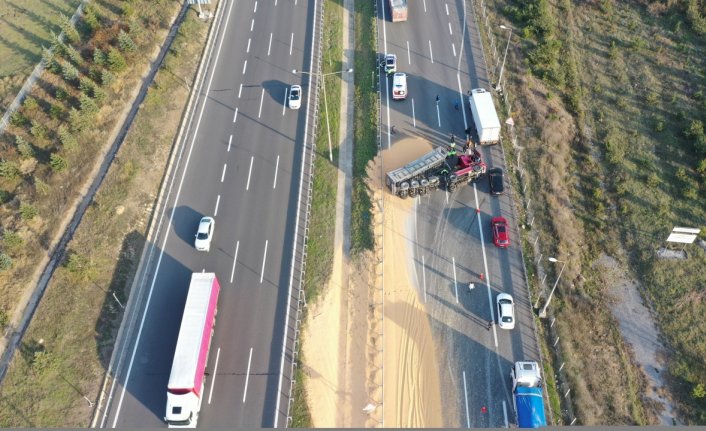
[(484, 409)]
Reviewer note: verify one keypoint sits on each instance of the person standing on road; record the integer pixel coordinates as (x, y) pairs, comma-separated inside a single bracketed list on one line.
[(490, 324), (437, 99)]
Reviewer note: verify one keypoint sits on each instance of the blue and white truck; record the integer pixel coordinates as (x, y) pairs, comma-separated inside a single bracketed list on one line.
[(527, 395)]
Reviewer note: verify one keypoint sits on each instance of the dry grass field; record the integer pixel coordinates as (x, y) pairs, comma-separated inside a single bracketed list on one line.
[(610, 101)]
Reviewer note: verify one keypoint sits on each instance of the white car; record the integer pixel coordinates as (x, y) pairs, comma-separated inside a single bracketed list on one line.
[(204, 234), (390, 63), (295, 97), (506, 311)]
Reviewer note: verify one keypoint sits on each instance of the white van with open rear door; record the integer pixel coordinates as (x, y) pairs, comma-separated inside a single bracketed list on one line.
[(399, 86)]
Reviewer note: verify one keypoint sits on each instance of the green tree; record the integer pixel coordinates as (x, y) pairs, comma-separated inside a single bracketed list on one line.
[(73, 55), (86, 85), (699, 391), (69, 71), (5, 262), (107, 78), (68, 140), (41, 187), (68, 29), (9, 169), (77, 120), (88, 106), (30, 104), (39, 130), (28, 211), (58, 163), (125, 43), (116, 61), (91, 18), (24, 148), (99, 57), (12, 240)]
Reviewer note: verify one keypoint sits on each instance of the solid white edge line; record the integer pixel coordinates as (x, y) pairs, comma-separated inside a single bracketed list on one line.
[(453, 259), (438, 114), (247, 376), (296, 232), (247, 186), (465, 394), (230, 141), (213, 379), (223, 174), (235, 261), (171, 217), (264, 260), (218, 201), (274, 182), (269, 47), (485, 266), (262, 99)]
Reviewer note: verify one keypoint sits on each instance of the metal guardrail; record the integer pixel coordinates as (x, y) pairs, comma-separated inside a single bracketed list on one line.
[(299, 260)]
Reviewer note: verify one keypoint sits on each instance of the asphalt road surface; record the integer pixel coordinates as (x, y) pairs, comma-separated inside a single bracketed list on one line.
[(241, 164), (439, 49)]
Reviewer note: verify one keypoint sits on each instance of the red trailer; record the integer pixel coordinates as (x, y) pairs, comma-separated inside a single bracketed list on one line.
[(186, 381), (398, 10)]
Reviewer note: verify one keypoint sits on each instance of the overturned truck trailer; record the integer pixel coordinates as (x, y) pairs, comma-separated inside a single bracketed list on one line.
[(437, 168)]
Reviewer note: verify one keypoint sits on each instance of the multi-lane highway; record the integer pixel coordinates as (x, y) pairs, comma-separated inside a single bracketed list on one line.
[(439, 49), (240, 162)]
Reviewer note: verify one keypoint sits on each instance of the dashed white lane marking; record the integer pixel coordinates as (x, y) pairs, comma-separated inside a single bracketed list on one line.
[(424, 279), (269, 46), (249, 40), (235, 260), (274, 183), (291, 44), (218, 201), (453, 46), (453, 259), (438, 115), (252, 24), (262, 99), (213, 380), (223, 175), (247, 186), (425, 6), (431, 53), (245, 66), (505, 414), (409, 55), (414, 118), (264, 260), (240, 91), (451, 32), (230, 141), (284, 104), (255, 10), (247, 376), (465, 394), (235, 115), (447, 8)]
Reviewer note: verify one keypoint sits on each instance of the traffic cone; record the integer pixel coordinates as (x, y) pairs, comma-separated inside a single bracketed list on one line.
[(484, 409), (482, 277)]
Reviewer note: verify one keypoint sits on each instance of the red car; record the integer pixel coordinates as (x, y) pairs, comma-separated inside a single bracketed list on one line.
[(501, 236)]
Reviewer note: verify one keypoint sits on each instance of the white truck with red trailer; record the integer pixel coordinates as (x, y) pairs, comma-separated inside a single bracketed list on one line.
[(185, 389), (484, 116)]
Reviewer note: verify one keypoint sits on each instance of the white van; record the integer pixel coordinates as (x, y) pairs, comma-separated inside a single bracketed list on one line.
[(399, 86)]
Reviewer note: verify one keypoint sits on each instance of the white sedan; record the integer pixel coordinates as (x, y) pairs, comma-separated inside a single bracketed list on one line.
[(204, 234), (506, 311), (295, 97)]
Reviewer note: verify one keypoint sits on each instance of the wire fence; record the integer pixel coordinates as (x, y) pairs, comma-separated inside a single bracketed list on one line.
[(486, 20)]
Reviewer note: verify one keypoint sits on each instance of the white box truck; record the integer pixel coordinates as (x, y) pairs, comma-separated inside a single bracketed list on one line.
[(484, 116), (398, 10), (527, 395), (185, 389)]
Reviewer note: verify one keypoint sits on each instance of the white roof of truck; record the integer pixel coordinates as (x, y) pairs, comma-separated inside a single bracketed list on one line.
[(527, 374), (486, 108), (191, 332)]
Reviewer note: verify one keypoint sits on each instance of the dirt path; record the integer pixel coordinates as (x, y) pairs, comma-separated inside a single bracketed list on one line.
[(639, 331)]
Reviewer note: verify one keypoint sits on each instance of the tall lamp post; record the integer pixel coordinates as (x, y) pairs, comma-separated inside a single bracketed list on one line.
[(323, 87), (502, 68), (543, 313)]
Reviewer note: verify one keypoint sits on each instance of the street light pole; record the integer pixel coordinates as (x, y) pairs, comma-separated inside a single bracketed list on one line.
[(323, 87), (502, 68), (543, 313)]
